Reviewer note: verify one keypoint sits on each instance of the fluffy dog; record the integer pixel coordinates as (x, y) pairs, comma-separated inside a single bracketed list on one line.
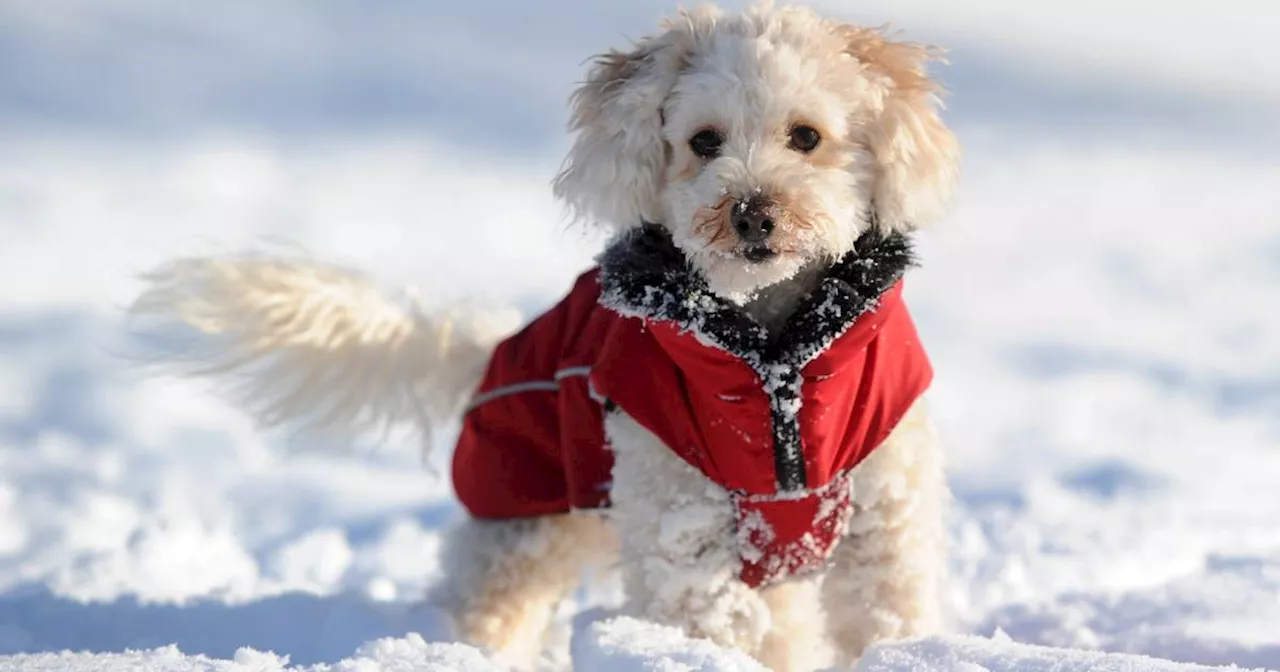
[(731, 402)]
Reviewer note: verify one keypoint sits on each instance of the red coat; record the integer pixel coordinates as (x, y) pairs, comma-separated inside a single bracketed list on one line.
[(777, 424)]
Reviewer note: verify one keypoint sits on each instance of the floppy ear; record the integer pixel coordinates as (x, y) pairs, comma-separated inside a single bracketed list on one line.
[(917, 157), (613, 173)]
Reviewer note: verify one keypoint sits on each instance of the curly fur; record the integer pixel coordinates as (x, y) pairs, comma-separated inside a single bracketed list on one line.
[(751, 77), (505, 578)]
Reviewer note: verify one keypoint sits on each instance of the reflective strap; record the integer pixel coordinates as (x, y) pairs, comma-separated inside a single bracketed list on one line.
[(528, 386)]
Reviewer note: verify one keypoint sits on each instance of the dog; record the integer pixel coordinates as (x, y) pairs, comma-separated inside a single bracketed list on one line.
[(729, 407)]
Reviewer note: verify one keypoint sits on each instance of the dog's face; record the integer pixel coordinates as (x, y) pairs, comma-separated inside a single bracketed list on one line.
[(764, 142), (764, 174)]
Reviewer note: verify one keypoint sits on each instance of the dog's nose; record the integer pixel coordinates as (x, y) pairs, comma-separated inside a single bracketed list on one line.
[(752, 221)]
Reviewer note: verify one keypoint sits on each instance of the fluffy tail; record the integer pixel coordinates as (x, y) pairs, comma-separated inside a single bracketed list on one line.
[(317, 348)]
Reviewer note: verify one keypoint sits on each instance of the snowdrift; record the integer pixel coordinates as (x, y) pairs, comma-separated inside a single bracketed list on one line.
[(619, 645)]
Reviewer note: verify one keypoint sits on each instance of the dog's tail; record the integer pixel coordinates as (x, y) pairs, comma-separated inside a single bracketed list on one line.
[(317, 348)]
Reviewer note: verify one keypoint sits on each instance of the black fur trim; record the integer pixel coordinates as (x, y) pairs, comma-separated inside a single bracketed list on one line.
[(643, 274)]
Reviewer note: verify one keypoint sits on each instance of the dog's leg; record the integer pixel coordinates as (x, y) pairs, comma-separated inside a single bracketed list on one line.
[(680, 561), (885, 579), (797, 642), (503, 579)]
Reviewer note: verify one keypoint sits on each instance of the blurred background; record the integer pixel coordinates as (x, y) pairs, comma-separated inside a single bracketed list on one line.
[(1103, 307)]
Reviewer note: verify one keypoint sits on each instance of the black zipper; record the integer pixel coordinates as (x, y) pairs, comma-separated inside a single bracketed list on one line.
[(788, 454)]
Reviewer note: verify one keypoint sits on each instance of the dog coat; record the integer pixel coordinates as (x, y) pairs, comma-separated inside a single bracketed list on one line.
[(778, 423)]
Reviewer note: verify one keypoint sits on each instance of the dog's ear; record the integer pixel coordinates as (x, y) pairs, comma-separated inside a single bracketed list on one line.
[(917, 156), (613, 173)]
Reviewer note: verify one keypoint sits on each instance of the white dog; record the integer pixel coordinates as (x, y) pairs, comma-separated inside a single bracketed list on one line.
[(731, 400)]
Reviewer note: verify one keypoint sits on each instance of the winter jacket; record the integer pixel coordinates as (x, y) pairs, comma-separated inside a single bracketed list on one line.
[(777, 423)]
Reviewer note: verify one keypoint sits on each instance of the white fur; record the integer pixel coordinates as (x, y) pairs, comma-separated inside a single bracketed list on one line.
[(310, 345), (886, 576), (680, 558), (315, 347), (505, 578), (680, 555)]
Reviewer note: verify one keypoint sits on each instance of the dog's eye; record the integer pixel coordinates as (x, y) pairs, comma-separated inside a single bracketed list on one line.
[(706, 143), (805, 138)]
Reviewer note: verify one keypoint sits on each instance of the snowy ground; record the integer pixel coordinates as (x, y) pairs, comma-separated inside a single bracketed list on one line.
[(1100, 308)]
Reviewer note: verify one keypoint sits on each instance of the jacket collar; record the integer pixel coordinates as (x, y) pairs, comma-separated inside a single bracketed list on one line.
[(643, 274)]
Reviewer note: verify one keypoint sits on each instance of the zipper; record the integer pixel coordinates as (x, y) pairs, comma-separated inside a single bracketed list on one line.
[(788, 455)]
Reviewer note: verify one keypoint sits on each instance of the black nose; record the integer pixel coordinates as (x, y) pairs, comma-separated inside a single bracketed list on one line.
[(752, 221)]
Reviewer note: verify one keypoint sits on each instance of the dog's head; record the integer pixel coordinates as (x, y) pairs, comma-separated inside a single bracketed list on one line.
[(764, 141)]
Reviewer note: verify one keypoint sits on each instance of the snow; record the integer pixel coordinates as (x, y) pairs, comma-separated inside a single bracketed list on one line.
[(409, 654), (1098, 309), (621, 644), (626, 644), (975, 654)]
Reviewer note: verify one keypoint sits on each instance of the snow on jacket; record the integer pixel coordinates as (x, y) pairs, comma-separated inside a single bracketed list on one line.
[(778, 423)]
